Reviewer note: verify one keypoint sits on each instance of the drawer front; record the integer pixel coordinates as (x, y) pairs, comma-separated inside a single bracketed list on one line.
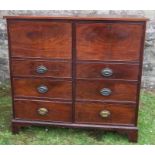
[(40, 39), (109, 41), (99, 113), (43, 88), (106, 90), (108, 71), (41, 68), (43, 110)]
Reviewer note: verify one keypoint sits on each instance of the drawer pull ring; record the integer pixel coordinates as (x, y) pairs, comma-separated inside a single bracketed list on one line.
[(42, 89), (41, 69), (42, 111), (105, 91), (105, 113), (106, 72)]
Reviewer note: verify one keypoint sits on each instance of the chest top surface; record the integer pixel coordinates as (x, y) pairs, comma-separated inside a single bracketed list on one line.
[(105, 18)]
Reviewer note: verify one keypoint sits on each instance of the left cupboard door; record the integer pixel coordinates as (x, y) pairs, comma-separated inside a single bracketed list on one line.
[(41, 39)]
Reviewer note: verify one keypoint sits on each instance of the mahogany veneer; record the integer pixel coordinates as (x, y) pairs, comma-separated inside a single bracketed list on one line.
[(80, 72), (120, 114), (57, 111), (56, 69), (120, 70)]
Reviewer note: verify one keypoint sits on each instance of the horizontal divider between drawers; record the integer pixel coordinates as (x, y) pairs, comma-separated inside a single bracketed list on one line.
[(107, 61), (77, 100), (40, 59), (70, 79), (43, 77), (77, 61), (40, 98), (106, 79), (105, 101)]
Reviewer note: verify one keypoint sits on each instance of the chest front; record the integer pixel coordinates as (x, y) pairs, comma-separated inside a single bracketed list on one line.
[(76, 72)]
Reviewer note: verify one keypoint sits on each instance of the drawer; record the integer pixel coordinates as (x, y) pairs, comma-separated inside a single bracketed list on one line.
[(99, 113), (43, 88), (108, 71), (106, 90), (55, 69), (109, 41), (46, 39), (43, 110)]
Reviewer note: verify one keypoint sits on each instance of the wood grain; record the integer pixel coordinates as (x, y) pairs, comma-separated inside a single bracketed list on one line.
[(27, 67), (121, 90), (75, 49), (83, 18), (90, 113), (57, 89), (57, 111), (105, 41), (120, 70), (44, 39)]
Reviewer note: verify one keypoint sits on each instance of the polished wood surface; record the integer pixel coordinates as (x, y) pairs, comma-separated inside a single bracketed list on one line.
[(28, 68), (57, 111), (40, 39), (119, 114), (102, 41), (120, 70), (121, 90), (57, 89), (84, 18), (75, 50)]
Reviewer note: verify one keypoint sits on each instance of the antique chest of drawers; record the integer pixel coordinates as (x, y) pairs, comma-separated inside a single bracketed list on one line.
[(81, 72)]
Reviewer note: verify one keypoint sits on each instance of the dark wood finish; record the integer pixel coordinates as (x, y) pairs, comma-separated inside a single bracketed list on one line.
[(57, 111), (80, 46), (17, 124), (95, 18), (16, 127), (73, 69), (57, 89), (120, 70), (132, 136), (140, 74), (55, 69), (89, 113), (40, 39), (102, 41), (121, 90)]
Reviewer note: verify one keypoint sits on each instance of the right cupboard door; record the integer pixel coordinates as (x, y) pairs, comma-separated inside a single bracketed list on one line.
[(109, 41)]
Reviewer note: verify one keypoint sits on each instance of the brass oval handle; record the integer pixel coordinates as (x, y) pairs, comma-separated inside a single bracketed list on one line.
[(42, 89), (105, 113), (106, 72), (41, 69), (105, 91), (42, 111)]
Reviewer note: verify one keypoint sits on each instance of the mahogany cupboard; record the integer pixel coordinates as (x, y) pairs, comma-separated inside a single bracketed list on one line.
[(82, 72)]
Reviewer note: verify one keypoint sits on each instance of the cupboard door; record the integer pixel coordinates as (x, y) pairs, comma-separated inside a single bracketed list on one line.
[(42, 39), (109, 41)]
